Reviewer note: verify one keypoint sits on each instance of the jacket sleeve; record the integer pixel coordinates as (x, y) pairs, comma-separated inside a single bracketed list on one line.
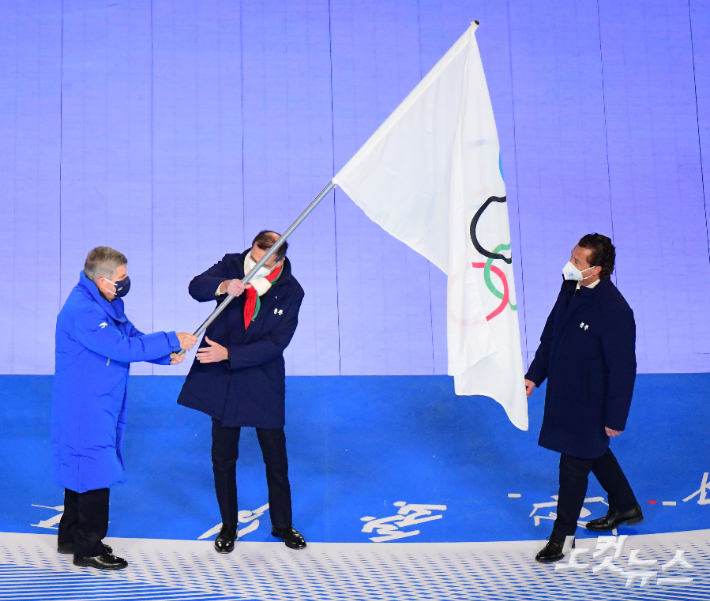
[(133, 331), (619, 348), (538, 368), (203, 287), (271, 346), (110, 342), (162, 360)]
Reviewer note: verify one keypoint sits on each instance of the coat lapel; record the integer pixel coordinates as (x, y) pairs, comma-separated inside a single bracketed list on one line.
[(577, 303)]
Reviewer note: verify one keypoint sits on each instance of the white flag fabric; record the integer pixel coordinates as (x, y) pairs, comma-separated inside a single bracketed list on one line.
[(431, 177)]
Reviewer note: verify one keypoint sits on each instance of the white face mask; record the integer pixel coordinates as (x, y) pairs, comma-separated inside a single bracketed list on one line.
[(262, 272), (570, 272)]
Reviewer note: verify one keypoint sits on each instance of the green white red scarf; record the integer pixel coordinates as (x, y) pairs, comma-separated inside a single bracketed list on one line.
[(252, 303)]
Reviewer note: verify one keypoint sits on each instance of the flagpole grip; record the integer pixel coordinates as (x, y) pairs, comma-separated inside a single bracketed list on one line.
[(245, 280)]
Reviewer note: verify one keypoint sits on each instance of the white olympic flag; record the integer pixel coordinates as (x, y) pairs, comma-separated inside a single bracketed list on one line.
[(431, 177)]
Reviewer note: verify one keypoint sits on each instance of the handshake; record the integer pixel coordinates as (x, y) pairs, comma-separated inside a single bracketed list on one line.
[(187, 341)]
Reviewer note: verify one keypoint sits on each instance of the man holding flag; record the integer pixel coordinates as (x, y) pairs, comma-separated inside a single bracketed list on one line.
[(238, 377), (431, 177)]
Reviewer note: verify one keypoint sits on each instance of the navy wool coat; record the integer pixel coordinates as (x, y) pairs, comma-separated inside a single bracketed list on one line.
[(249, 389), (587, 353)]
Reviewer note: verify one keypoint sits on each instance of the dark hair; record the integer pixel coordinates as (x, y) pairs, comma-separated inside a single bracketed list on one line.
[(603, 253), (265, 239), (102, 261)]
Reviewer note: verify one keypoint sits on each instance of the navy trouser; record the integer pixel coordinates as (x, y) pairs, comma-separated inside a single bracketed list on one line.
[(574, 477), (225, 452), (85, 521)]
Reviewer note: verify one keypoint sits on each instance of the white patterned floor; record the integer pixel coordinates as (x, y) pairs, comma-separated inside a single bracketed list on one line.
[(30, 569)]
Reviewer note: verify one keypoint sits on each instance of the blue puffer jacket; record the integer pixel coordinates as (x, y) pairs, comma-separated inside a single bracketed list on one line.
[(95, 344)]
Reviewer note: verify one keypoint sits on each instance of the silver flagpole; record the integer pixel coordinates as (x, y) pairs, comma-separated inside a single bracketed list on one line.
[(223, 305)]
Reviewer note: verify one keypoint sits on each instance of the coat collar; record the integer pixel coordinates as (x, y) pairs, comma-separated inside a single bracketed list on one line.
[(601, 289), (114, 308)]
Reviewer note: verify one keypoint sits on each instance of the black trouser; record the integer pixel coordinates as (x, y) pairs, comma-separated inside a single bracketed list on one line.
[(225, 452), (85, 521), (574, 477)]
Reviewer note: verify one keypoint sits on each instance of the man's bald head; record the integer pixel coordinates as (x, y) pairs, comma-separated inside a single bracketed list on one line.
[(265, 239)]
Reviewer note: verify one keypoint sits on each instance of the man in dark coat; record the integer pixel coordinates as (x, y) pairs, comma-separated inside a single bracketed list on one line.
[(587, 353), (239, 378)]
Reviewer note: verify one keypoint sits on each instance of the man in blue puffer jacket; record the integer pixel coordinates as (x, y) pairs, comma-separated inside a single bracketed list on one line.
[(95, 345)]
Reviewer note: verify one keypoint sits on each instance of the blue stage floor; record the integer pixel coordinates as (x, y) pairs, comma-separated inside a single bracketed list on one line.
[(358, 445)]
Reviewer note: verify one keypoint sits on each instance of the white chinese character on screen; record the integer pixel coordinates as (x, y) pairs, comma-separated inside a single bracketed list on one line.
[(409, 514), (702, 491)]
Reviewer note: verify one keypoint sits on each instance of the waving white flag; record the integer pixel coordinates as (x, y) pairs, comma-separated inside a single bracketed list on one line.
[(431, 177)]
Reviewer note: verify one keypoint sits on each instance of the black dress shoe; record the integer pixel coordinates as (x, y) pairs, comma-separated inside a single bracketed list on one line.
[(224, 543), (101, 562), (552, 551), (68, 549), (616, 518), (292, 537)]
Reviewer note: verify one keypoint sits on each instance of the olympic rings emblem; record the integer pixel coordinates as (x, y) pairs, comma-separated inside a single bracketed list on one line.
[(488, 266)]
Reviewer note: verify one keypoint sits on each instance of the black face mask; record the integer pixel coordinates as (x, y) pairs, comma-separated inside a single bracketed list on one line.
[(122, 286)]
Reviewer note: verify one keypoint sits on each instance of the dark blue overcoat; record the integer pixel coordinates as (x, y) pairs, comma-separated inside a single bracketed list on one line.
[(587, 353), (95, 345), (250, 388)]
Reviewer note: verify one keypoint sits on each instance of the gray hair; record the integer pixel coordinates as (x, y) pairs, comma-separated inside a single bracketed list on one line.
[(102, 261)]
